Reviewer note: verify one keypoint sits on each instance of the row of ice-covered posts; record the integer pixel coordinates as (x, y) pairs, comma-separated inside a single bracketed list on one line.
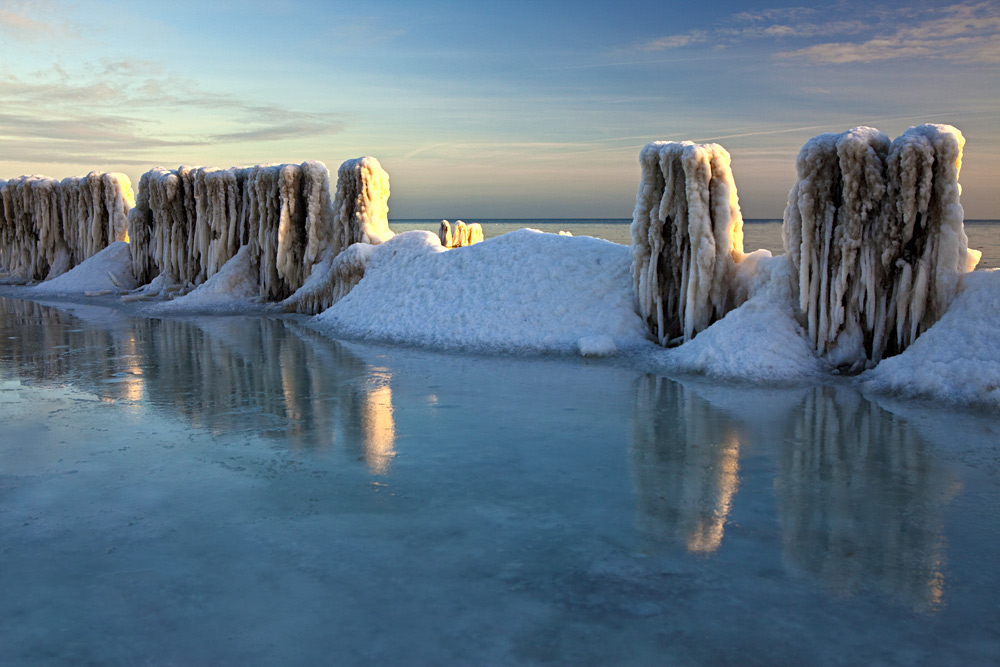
[(184, 224), (874, 230)]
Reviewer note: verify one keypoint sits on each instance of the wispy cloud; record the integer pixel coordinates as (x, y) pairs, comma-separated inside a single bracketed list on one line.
[(965, 33), (130, 112), (961, 33)]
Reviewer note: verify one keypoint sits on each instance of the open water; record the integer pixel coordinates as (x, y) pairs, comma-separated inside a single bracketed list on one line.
[(984, 235), (244, 491)]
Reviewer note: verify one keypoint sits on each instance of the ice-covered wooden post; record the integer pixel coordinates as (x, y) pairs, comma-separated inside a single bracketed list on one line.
[(875, 232), (687, 237), (360, 216), (49, 226), (460, 234)]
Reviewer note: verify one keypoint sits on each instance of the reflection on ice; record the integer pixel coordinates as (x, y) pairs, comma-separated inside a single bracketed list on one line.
[(686, 461), (860, 500), (258, 376)]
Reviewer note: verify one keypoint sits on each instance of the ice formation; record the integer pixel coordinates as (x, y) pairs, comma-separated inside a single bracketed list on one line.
[(875, 232), (188, 222), (687, 238), (460, 234), (360, 216), (49, 226)]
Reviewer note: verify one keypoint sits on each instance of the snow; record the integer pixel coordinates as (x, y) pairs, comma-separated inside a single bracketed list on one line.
[(231, 289), (760, 341), (107, 272), (523, 291), (957, 359), (687, 236)]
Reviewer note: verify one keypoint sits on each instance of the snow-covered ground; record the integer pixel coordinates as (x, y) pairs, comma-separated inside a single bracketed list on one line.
[(533, 292)]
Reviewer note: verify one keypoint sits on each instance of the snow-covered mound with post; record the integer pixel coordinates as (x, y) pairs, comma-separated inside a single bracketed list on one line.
[(957, 359), (523, 291)]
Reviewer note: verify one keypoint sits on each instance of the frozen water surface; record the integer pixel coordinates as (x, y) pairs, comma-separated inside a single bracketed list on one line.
[(245, 491)]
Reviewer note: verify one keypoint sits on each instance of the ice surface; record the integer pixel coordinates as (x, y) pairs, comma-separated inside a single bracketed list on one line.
[(242, 490), (687, 236)]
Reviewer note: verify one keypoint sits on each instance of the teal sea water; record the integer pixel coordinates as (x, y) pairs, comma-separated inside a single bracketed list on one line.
[(984, 235)]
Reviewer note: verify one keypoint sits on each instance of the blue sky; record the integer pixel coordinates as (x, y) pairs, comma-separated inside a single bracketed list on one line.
[(490, 109)]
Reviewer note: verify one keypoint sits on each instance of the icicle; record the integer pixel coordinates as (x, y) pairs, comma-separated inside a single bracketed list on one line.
[(687, 237)]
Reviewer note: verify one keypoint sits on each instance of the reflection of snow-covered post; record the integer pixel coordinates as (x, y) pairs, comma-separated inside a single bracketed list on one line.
[(687, 236), (685, 457), (875, 233), (360, 216), (860, 500)]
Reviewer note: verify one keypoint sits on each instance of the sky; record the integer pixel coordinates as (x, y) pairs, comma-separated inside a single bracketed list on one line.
[(491, 109)]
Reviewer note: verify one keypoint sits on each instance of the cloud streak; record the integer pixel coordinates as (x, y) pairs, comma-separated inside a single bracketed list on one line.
[(126, 113), (960, 33)]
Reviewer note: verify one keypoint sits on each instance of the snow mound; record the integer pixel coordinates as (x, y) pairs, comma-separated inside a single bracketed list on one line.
[(758, 342), (523, 291), (107, 272), (232, 289), (958, 359)]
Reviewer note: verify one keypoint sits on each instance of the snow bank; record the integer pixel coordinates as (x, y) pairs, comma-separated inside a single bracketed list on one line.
[(49, 226), (460, 234), (523, 291), (956, 360), (687, 236), (758, 342), (231, 289), (107, 272), (875, 234)]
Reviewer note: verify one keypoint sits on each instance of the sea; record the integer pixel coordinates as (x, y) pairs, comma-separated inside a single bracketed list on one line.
[(984, 235)]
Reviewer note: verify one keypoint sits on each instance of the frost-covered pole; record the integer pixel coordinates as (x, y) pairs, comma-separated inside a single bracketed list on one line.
[(875, 232), (687, 237), (460, 234), (360, 215), (828, 219)]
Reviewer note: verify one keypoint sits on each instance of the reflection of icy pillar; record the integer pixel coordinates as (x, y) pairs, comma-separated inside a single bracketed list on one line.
[(860, 500), (686, 461), (687, 236), (378, 428), (828, 220)]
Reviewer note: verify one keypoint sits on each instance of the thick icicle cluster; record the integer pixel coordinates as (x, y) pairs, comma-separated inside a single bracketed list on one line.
[(687, 237), (188, 222), (460, 234), (360, 215), (47, 226), (875, 231)]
